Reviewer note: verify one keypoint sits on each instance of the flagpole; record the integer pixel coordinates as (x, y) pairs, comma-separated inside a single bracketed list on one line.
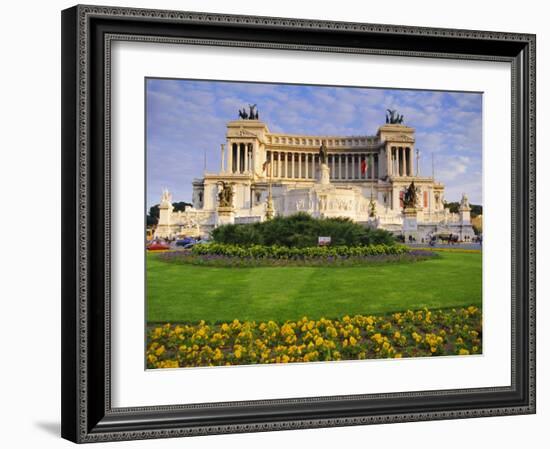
[(372, 180), (269, 209)]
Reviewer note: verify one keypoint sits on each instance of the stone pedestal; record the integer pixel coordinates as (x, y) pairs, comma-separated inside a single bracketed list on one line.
[(324, 174), (410, 223), (226, 215)]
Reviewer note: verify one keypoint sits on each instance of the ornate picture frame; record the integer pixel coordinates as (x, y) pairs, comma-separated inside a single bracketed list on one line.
[(87, 35)]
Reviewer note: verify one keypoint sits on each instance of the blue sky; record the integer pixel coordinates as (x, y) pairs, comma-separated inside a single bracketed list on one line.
[(186, 120)]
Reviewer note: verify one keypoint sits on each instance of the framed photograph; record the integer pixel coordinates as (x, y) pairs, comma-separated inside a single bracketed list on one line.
[(277, 224)]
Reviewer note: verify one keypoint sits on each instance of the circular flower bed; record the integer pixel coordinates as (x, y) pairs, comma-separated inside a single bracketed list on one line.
[(219, 260), (228, 255), (286, 252), (408, 334)]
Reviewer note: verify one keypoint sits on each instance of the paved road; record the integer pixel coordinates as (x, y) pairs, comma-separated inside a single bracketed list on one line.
[(445, 245)]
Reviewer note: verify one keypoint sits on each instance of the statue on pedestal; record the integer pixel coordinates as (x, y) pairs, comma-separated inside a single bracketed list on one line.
[(225, 195), (323, 152), (166, 198), (465, 203), (410, 198)]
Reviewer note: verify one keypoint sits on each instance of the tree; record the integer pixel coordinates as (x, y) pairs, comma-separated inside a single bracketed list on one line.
[(153, 215), (154, 211), (454, 206), (180, 206)]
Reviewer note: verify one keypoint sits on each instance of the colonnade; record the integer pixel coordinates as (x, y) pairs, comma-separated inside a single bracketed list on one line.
[(240, 158), (304, 165), (400, 161)]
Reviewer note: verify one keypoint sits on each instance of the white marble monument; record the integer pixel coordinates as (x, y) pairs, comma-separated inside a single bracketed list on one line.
[(363, 178)]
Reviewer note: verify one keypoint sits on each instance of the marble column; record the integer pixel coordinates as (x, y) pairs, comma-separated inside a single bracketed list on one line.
[(229, 157), (345, 156), (236, 158), (398, 161)]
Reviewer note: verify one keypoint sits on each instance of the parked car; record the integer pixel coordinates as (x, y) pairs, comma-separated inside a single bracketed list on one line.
[(197, 242), (158, 246), (185, 241)]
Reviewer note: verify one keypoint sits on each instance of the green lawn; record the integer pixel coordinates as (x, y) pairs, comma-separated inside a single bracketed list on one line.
[(188, 293)]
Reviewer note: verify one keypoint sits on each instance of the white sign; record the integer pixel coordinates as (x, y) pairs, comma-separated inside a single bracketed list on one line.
[(323, 241)]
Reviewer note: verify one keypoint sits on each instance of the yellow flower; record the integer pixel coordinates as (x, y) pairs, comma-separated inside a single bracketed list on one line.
[(311, 356), (463, 352), (287, 329), (160, 350), (352, 341), (416, 337), (168, 364), (378, 338)]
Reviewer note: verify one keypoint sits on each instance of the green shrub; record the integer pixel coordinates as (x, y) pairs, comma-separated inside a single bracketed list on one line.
[(301, 230)]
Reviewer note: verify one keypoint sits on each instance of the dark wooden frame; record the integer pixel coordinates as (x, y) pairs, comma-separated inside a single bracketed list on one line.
[(87, 32)]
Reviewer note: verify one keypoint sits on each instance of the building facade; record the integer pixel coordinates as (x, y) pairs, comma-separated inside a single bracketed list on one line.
[(363, 178)]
